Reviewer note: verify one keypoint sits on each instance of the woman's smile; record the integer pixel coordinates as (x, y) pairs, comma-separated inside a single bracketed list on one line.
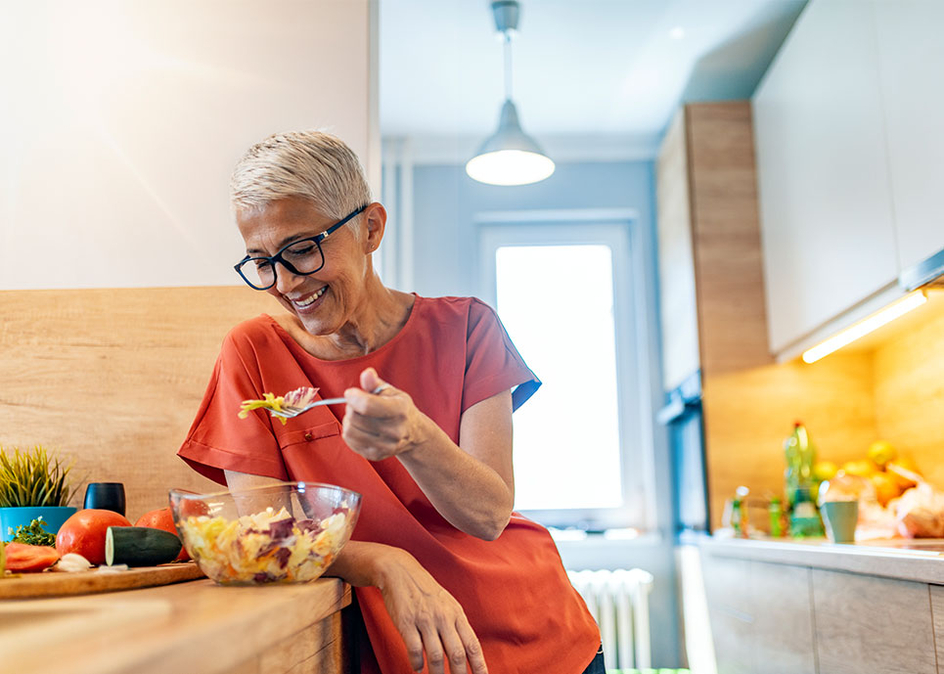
[(308, 303)]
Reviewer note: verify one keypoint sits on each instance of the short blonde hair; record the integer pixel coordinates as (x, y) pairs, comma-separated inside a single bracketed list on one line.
[(313, 165)]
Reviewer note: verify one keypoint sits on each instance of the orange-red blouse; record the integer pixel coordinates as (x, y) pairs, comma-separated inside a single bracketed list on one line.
[(450, 354)]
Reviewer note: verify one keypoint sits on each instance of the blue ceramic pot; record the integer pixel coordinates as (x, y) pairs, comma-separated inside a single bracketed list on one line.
[(54, 516)]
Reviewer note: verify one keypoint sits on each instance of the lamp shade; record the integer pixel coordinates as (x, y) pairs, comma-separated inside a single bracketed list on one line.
[(509, 156)]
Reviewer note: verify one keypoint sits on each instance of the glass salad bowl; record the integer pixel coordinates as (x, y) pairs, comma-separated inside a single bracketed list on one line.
[(283, 533)]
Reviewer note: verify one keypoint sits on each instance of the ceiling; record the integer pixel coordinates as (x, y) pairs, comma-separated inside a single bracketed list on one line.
[(593, 79)]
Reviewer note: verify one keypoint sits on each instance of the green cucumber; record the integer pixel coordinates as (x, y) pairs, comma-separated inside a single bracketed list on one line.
[(140, 546)]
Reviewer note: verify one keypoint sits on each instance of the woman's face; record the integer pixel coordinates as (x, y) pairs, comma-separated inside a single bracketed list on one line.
[(327, 299)]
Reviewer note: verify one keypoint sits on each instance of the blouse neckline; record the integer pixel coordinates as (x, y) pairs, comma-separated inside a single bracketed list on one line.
[(407, 326)]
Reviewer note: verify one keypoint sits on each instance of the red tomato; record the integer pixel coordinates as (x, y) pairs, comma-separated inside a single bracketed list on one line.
[(84, 533), (162, 519), (27, 558)]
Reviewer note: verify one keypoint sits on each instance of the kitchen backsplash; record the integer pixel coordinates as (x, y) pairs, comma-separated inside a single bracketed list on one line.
[(890, 388)]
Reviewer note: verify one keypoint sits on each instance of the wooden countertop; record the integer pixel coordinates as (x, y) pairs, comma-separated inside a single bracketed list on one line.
[(197, 626), (875, 558)]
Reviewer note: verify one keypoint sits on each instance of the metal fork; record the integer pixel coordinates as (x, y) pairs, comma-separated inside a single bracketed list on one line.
[(288, 411)]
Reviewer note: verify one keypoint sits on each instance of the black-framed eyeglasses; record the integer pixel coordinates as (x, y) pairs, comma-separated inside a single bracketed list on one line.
[(302, 258)]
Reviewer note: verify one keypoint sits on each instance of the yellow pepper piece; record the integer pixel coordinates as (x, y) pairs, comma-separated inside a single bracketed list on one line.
[(269, 402)]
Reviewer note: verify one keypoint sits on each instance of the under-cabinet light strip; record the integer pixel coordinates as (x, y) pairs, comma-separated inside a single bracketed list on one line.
[(867, 325)]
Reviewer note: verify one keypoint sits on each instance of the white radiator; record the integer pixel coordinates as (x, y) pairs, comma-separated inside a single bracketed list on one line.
[(619, 602)]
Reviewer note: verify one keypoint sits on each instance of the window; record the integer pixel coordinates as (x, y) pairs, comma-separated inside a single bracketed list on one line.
[(564, 291)]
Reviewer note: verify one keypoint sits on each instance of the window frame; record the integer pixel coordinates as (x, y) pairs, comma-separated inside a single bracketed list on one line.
[(619, 230)]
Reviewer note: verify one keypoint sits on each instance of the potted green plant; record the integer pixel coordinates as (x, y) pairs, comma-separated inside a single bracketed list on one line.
[(33, 484)]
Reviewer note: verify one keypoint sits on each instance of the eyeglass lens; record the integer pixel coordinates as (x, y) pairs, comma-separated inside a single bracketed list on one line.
[(303, 257)]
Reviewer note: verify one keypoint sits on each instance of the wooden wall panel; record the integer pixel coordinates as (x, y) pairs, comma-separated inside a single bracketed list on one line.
[(145, 354), (749, 413), (909, 389)]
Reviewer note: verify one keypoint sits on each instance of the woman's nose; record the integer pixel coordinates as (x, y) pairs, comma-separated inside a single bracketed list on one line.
[(285, 280)]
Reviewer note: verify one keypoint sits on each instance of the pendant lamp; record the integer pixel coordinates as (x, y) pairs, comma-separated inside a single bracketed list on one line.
[(509, 156)]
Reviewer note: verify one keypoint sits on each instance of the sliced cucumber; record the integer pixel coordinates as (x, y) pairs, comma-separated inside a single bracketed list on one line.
[(140, 546)]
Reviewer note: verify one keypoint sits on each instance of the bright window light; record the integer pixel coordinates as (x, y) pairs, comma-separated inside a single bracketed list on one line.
[(567, 442)]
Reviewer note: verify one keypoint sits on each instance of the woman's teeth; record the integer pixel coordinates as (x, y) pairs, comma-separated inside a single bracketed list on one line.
[(305, 303)]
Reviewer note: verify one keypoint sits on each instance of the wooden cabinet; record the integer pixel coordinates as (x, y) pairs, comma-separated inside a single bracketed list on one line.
[(937, 611), (911, 68), (731, 613), (809, 613), (761, 617), (823, 179), (783, 619), (869, 624), (711, 280)]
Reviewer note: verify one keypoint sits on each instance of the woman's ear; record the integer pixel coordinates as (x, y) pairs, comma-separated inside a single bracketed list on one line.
[(376, 218)]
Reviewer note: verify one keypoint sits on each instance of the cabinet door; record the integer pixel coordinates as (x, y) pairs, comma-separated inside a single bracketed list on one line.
[(783, 619), (676, 263), (911, 59), (826, 217), (730, 610), (937, 611), (869, 624)]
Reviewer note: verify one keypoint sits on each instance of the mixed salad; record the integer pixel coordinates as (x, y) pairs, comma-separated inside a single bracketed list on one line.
[(267, 547)]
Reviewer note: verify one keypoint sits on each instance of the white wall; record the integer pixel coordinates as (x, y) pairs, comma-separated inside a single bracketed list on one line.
[(120, 123)]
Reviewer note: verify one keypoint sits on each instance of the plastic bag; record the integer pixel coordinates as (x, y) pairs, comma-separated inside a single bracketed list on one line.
[(919, 512)]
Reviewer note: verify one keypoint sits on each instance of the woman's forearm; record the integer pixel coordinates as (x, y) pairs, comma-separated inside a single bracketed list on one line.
[(470, 495), (362, 564), (471, 484)]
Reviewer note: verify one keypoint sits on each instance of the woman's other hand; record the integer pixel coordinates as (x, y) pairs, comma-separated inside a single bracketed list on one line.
[(378, 426), (428, 618)]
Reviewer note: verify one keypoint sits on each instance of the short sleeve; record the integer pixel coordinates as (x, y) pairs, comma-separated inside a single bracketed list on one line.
[(218, 439), (493, 364)]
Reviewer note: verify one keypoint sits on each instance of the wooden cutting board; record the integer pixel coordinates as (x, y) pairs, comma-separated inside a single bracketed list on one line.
[(60, 583)]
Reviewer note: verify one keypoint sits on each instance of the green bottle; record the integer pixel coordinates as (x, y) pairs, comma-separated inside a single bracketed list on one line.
[(800, 483), (775, 512), (800, 455)]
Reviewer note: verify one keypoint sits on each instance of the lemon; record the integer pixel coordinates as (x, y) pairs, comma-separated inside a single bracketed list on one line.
[(881, 452), (861, 468), (824, 470)]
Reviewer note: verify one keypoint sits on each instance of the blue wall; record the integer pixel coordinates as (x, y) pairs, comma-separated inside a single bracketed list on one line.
[(446, 201)]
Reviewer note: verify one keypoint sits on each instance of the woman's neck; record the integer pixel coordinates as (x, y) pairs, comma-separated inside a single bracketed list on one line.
[(375, 321)]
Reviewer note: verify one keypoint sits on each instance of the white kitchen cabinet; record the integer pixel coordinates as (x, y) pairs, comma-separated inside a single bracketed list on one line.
[(911, 67), (823, 179), (676, 259)]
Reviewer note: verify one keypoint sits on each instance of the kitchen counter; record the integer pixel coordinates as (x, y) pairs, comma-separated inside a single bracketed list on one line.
[(197, 626), (802, 606), (922, 562)]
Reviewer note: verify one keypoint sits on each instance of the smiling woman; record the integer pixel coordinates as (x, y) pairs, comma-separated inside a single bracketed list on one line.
[(444, 569)]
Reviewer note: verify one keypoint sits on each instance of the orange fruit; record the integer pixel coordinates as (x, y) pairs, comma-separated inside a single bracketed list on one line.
[(908, 464), (886, 487)]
